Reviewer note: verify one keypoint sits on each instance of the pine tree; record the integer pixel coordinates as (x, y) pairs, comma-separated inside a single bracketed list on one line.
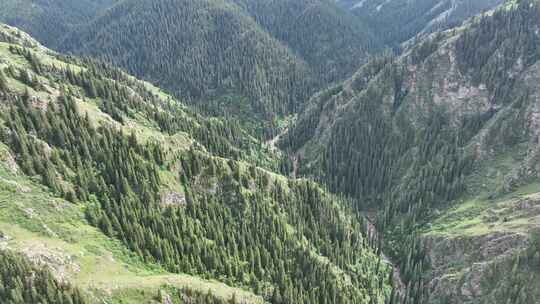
[(3, 82)]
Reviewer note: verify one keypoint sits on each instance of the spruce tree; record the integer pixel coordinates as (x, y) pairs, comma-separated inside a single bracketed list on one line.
[(3, 82)]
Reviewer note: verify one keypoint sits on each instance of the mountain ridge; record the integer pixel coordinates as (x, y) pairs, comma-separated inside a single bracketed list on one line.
[(401, 21)]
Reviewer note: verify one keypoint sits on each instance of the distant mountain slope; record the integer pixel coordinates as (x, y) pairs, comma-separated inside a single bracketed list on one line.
[(199, 50), (50, 20), (443, 142), (133, 197), (330, 39), (260, 58), (396, 21)]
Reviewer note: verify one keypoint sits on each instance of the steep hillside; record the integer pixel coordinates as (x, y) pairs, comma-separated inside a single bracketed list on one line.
[(45, 230), (442, 141), (199, 50), (132, 197), (331, 40), (397, 21), (50, 20), (255, 60)]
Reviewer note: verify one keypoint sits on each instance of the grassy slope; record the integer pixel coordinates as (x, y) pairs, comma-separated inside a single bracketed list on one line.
[(53, 231), (486, 208), (481, 215), (487, 230)]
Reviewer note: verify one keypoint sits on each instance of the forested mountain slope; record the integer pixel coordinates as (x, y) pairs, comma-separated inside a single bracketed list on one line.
[(23, 282), (132, 197), (50, 20), (257, 57), (443, 141), (199, 50), (247, 58), (397, 21), (330, 39)]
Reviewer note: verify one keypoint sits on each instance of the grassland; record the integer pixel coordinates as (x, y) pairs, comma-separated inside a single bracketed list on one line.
[(488, 207), (481, 215)]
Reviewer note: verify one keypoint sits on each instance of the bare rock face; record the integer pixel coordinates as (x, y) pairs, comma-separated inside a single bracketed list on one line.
[(8, 161), (528, 205), (460, 264), (498, 245), (14, 35), (445, 252), (165, 298), (470, 289), (173, 198), (62, 264)]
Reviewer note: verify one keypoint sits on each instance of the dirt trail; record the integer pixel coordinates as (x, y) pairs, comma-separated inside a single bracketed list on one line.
[(272, 143), (295, 166)]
